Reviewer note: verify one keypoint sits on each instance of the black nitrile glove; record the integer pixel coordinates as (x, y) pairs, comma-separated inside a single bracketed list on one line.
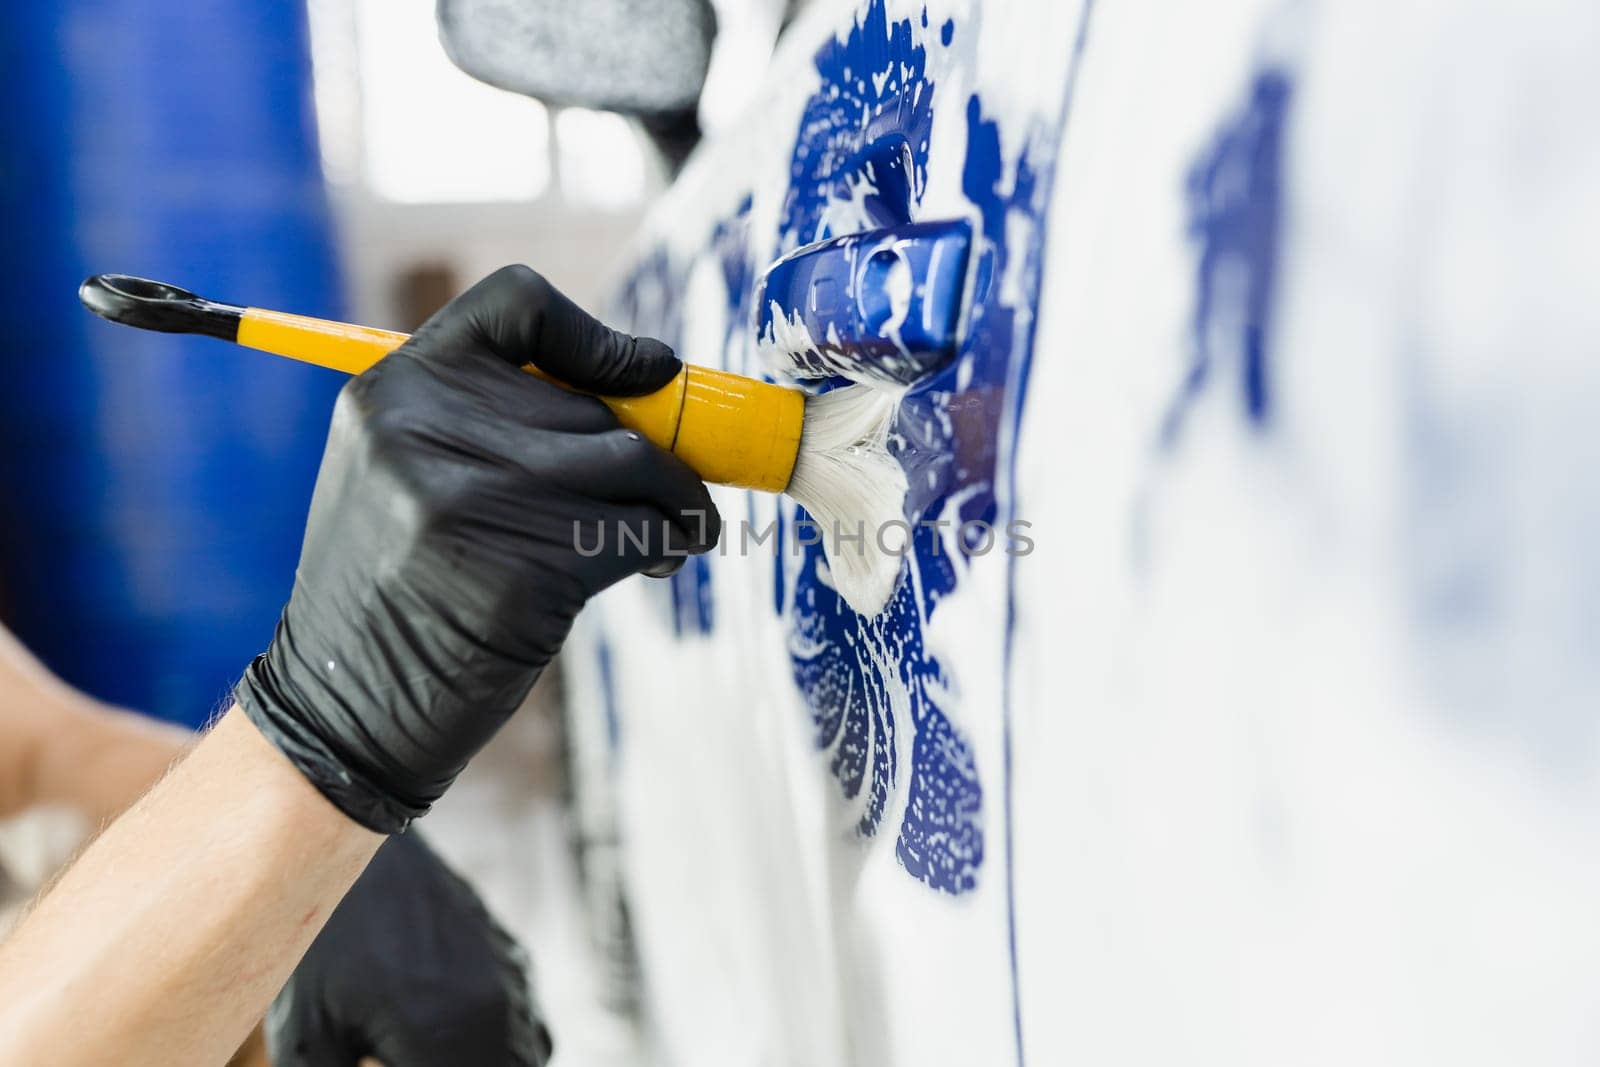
[(440, 570), (411, 970)]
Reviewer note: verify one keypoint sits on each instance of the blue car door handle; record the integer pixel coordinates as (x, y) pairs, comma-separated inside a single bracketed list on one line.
[(883, 304)]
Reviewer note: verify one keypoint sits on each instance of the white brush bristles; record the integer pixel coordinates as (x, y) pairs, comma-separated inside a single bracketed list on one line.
[(855, 491)]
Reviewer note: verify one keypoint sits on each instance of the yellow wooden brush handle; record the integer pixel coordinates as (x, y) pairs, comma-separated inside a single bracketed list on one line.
[(335, 345), (729, 429)]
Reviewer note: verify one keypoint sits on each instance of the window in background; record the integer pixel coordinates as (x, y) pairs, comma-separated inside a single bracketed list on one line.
[(424, 132), (401, 122), (601, 161)]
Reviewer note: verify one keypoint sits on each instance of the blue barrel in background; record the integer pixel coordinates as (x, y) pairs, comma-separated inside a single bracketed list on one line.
[(153, 488)]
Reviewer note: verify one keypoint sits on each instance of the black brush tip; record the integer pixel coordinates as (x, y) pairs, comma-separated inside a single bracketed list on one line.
[(152, 305)]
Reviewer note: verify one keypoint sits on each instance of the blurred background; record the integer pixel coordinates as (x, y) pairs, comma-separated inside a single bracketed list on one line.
[(324, 158)]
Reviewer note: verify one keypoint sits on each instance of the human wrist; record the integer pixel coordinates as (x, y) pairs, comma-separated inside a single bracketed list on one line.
[(285, 715), (280, 794)]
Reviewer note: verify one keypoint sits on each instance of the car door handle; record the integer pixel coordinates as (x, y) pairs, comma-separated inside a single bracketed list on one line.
[(885, 304)]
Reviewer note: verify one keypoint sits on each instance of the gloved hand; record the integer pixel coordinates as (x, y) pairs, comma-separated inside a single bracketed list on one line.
[(440, 570), (411, 970)]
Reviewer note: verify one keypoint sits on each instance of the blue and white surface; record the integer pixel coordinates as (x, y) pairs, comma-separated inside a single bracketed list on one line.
[(1280, 745)]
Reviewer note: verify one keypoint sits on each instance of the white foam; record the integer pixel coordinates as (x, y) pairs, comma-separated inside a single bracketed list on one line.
[(785, 338), (789, 350)]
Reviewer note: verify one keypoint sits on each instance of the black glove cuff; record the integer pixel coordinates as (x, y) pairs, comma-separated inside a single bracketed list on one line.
[(313, 756)]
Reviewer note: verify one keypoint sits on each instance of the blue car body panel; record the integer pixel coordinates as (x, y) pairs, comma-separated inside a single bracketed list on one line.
[(887, 715)]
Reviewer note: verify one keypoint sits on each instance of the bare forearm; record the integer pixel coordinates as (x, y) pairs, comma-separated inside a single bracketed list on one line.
[(99, 760), (59, 746), (208, 890)]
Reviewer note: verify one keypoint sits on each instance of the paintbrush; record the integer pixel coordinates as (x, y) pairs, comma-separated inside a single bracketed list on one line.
[(828, 451)]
